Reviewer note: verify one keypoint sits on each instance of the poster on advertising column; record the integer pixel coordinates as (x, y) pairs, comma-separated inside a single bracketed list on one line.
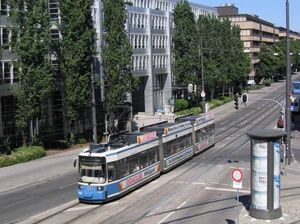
[(276, 174), (259, 173)]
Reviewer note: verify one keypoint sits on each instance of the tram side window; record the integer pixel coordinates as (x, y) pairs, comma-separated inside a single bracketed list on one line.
[(133, 163), (153, 155), (168, 150), (198, 136), (178, 145), (144, 159), (123, 168), (112, 171), (182, 143), (188, 141), (212, 130)]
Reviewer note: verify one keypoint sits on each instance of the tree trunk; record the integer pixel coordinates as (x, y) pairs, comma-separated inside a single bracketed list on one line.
[(24, 141), (212, 93), (223, 90)]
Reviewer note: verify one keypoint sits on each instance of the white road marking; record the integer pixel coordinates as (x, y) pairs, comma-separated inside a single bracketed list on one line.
[(171, 213), (233, 167), (252, 220), (199, 183), (63, 187), (81, 208), (226, 189)]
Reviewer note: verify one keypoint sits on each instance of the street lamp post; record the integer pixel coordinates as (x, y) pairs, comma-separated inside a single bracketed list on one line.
[(202, 77), (288, 86)]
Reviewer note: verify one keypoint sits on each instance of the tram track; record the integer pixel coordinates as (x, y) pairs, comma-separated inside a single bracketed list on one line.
[(220, 136), (198, 176)]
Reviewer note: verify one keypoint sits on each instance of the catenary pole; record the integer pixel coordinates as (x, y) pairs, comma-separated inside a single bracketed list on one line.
[(288, 86)]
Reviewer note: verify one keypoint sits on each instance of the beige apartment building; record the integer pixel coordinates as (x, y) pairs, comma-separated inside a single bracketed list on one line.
[(254, 33), (293, 35)]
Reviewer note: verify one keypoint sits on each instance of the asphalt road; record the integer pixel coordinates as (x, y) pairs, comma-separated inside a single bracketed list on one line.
[(199, 191), (28, 201)]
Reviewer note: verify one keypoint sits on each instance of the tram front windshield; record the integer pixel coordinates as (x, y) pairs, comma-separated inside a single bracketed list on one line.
[(92, 169)]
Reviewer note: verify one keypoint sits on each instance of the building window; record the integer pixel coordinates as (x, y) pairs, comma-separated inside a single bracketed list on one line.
[(8, 115), (53, 10), (245, 32), (4, 8), (5, 37), (1, 73), (247, 44), (54, 33), (7, 73)]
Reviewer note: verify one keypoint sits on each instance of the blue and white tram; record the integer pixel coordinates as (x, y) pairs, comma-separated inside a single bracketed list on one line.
[(129, 160), (110, 170), (176, 143), (203, 131)]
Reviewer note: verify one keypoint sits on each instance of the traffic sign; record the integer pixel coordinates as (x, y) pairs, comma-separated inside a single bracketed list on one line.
[(202, 94), (237, 175)]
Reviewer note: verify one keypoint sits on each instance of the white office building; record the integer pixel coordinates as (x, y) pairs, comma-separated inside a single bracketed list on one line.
[(150, 26)]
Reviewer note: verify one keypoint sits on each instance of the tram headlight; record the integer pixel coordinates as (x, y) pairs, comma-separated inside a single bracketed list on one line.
[(99, 188)]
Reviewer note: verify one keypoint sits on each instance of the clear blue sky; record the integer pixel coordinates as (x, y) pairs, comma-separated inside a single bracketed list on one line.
[(270, 10)]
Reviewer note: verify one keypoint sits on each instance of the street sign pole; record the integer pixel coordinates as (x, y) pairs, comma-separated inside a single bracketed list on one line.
[(237, 205), (237, 177)]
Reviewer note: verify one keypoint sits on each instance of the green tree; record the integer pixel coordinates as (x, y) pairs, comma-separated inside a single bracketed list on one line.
[(117, 53), (76, 51), (239, 62), (225, 63), (30, 42), (272, 61), (186, 49)]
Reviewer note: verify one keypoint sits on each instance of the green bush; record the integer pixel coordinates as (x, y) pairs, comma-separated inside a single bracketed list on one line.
[(21, 155), (194, 110), (268, 82), (82, 141), (181, 104)]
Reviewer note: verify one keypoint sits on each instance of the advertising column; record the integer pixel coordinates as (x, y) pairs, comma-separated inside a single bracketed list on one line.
[(265, 173), (259, 174)]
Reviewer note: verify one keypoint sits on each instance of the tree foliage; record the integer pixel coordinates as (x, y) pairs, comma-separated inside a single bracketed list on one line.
[(117, 53), (76, 54), (272, 59), (225, 63), (186, 49), (30, 42)]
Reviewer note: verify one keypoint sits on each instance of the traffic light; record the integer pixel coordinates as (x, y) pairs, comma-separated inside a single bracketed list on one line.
[(236, 102), (245, 98)]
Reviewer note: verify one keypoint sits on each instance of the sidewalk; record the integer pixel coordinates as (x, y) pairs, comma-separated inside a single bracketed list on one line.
[(143, 119)]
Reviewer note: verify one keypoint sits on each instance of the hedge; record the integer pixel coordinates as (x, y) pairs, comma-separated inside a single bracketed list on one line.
[(21, 155)]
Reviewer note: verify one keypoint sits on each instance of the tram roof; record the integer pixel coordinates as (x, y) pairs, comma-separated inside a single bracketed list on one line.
[(117, 141)]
